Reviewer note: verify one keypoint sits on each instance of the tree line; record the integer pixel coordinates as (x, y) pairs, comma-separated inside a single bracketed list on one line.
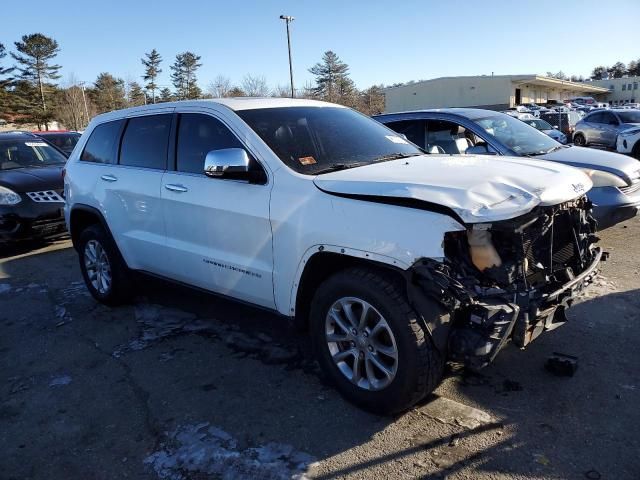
[(31, 91), (617, 70)]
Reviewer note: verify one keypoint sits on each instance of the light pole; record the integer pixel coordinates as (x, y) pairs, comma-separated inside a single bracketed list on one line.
[(288, 19)]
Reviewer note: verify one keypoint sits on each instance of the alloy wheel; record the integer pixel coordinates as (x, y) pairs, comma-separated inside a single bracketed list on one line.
[(97, 265), (361, 343)]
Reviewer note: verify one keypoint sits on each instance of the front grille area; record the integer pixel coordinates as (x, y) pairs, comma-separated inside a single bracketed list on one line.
[(552, 250), (46, 196)]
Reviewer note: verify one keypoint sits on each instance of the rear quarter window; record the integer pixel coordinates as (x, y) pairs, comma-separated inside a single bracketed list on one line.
[(101, 146)]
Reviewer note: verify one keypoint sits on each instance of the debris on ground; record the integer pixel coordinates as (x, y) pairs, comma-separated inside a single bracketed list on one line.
[(60, 381), (561, 364), (449, 411), (203, 449)]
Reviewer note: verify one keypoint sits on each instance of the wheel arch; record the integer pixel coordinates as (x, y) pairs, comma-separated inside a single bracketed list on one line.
[(83, 216), (323, 262)]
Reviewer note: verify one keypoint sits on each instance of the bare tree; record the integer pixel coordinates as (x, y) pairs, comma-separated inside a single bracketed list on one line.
[(72, 111), (283, 91), (255, 86), (219, 87)]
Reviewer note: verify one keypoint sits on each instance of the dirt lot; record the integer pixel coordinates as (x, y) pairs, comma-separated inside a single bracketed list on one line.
[(184, 385)]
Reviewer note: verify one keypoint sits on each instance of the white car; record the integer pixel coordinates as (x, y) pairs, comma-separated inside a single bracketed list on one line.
[(628, 142), (395, 261)]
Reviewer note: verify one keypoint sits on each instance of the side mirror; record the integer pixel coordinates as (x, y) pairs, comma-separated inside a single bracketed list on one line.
[(479, 149), (227, 163)]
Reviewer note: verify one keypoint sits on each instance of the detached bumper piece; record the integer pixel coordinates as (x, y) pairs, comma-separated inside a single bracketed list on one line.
[(543, 260)]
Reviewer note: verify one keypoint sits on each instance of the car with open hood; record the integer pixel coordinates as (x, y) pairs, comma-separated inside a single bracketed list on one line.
[(31, 188), (616, 178), (393, 260)]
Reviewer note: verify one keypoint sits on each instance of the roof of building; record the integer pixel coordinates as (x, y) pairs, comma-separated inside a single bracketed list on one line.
[(529, 79)]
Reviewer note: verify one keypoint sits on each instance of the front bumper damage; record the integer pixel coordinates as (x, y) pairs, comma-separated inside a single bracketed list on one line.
[(546, 258)]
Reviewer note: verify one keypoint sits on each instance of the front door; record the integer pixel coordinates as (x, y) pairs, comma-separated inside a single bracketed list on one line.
[(218, 230), (518, 96)]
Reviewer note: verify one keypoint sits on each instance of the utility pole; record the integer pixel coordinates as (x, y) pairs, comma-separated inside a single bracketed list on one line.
[(288, 19), (84, 99)]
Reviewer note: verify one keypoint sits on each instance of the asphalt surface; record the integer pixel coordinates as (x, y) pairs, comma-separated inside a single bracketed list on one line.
[(184, 385)]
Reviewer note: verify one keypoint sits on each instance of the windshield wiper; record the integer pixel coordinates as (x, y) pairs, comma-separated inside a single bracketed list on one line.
[(394, 156), (334, 167)]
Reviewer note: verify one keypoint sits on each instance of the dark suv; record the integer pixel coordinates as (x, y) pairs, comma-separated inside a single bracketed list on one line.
[(31, 187)]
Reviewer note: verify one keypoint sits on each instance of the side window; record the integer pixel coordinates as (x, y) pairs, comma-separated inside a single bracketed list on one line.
[(101, 147), (198, 134), (448, 136), (609, 119), (414, 130), (145, 141), (595, 118)]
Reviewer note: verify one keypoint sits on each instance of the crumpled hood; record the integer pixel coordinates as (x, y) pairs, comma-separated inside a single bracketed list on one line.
[(611, 162), (477, 188)]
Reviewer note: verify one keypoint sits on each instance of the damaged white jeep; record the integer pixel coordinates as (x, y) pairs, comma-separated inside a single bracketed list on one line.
[(394, 260)]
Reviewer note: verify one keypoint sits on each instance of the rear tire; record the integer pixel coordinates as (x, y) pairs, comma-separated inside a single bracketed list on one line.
[(579, 140), (103, 269), (635, 153), (417, 367)]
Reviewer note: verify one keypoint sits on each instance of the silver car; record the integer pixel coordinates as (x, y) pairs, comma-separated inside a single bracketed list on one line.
[(602, 127)]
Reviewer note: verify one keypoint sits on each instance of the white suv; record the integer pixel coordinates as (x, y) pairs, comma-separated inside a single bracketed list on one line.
[(395, 261)]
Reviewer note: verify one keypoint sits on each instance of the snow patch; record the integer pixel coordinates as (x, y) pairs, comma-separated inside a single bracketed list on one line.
[(206, 449)]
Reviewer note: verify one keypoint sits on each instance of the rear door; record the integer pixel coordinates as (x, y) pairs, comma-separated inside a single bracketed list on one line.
[(610, 127), (218, 230), (129, 191), (593, 132)]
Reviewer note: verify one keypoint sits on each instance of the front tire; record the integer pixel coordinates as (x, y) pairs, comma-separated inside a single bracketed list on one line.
[(103, 269), (369, 343), (579, 140)]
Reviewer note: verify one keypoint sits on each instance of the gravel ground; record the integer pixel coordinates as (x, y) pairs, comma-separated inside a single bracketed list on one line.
[(184, 385)]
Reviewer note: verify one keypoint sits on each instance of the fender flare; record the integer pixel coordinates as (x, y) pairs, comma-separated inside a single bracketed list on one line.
[(347, 252)]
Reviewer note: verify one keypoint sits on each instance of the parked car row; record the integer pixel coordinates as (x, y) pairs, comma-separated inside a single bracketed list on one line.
[(616, 178)]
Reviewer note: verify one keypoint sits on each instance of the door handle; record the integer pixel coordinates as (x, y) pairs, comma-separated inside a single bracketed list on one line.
[(176, 188), (108, 178)]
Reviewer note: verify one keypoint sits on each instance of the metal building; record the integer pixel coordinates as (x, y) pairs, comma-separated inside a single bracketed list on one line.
[(495, 92)]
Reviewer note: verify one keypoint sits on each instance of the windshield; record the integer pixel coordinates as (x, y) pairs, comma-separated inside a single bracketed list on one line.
[(631, 116), (313, 139), (517, 135), (539, 124), (28, 153)]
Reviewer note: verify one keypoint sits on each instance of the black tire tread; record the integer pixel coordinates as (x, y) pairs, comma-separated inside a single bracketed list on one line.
[(430, 362)]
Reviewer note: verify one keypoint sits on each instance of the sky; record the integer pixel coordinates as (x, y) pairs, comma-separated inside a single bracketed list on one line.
[(383, 42)]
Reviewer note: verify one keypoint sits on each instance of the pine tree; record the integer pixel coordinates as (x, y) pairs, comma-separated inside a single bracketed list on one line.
[(165, 95), (5, 83), (236, 92), (35, 53), (599, 73), (108, 93), (633, 69), (183, 76), (136, 95), (617, 70), (151, 71), (332, 79)]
